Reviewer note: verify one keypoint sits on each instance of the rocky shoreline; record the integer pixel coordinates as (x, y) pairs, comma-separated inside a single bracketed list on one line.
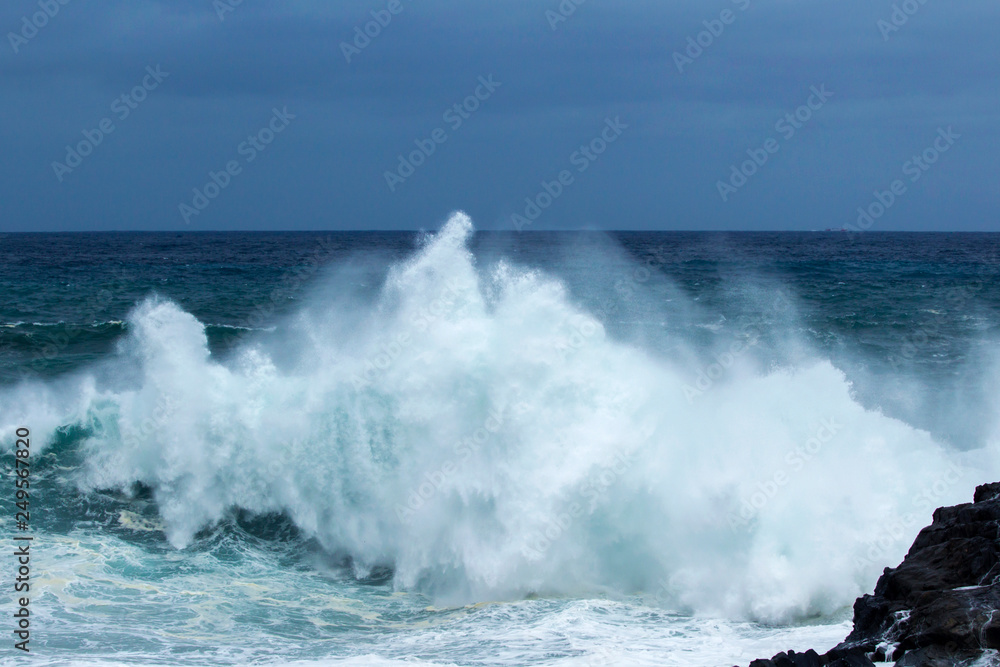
[(937, 608)]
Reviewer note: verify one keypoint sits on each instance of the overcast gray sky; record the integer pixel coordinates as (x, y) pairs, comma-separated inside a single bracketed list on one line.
[(674, 126)]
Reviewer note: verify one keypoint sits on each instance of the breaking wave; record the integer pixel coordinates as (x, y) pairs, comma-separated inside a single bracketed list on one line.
[(478, 432)]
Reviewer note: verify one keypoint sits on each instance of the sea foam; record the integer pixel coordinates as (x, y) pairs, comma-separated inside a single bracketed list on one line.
[(479, 432)]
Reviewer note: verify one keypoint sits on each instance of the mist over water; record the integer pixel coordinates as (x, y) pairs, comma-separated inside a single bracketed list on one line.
[(476, 430), (465, 424)]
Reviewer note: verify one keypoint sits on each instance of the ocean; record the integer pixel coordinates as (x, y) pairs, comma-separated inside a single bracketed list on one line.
[(481, 448)]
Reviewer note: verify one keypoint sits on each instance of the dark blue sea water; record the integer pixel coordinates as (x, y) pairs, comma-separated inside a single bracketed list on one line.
[(482, 448)]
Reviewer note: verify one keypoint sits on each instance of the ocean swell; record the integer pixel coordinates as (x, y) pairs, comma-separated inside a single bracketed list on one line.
[(483, 436)]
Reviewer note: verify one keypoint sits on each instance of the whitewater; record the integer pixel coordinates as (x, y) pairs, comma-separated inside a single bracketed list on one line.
[(463, 462)]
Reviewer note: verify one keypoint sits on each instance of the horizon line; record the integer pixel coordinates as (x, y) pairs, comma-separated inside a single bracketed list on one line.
[(505, 231)]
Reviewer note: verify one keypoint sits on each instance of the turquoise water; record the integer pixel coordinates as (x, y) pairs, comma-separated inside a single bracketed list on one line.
[(552, 449)]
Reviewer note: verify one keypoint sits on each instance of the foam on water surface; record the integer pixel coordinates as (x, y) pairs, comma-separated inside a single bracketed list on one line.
[(480, 435)]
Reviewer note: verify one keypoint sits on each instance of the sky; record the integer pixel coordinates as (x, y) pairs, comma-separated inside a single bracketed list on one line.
[(197, 115)]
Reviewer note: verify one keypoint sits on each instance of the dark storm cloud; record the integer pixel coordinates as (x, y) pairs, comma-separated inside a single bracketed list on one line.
[(685, 131)]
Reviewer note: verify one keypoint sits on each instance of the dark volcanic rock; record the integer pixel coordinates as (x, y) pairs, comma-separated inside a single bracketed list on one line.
[(937, 608), (811, 659)]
